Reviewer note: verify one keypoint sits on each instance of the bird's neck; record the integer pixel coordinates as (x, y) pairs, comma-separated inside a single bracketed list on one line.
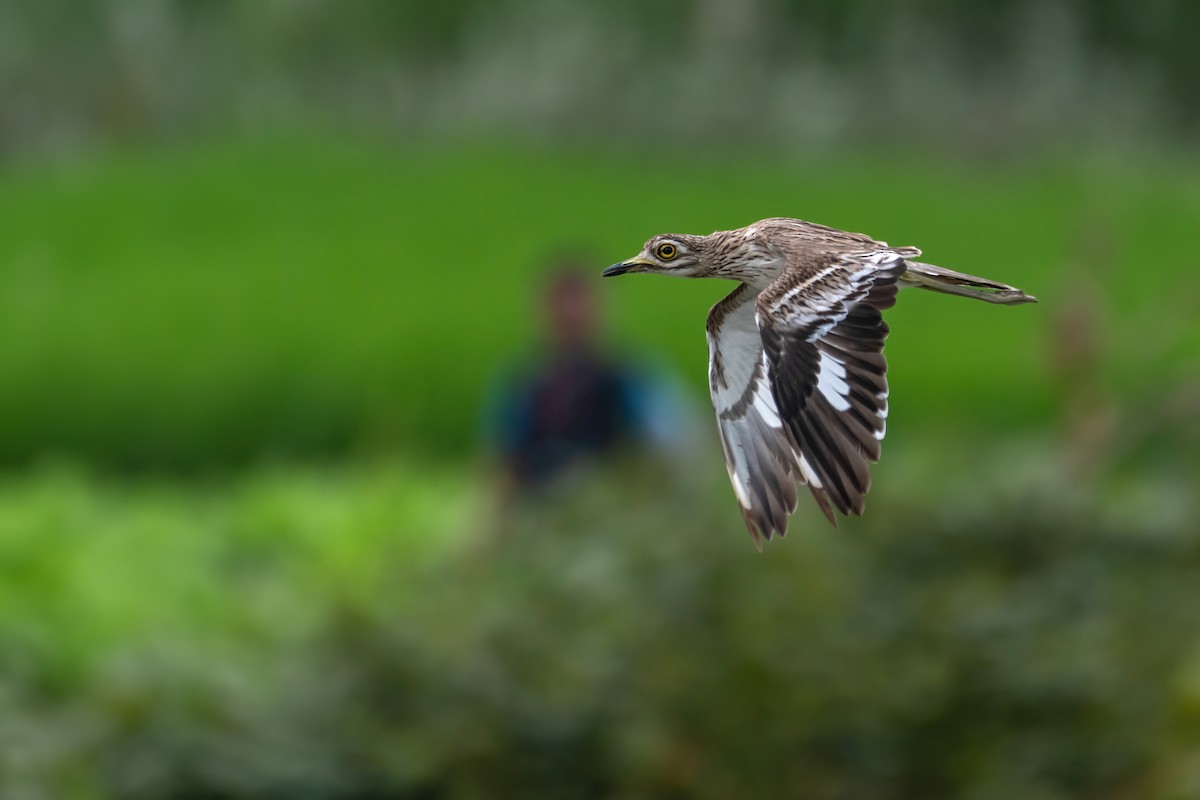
[(756, 269)]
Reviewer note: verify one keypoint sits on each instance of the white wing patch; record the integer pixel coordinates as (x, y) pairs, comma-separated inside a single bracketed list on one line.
[(740, 351), (831, 381), (764, 401), (810, 474)]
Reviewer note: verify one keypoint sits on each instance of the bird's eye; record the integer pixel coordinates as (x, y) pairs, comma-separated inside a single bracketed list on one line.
[(666, 251)]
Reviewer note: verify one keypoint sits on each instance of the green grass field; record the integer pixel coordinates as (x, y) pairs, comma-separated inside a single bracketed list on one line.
[(202, 307)]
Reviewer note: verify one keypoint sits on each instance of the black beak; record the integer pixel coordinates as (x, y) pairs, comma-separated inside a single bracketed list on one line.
[(616, 269)]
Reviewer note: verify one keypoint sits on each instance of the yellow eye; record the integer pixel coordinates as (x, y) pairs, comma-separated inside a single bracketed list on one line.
[(666, 251)]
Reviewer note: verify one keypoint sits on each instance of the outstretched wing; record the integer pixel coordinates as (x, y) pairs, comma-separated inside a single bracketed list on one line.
[(759, 454), (823, 332)]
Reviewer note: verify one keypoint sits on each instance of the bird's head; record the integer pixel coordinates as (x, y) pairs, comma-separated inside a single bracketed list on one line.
[(667, 254)]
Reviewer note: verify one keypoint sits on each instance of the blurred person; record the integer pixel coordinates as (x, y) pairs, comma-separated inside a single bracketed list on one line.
[(574, 403)]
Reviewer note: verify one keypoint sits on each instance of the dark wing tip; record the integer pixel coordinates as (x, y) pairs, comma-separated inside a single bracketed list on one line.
[(822, 498), (761, 527)]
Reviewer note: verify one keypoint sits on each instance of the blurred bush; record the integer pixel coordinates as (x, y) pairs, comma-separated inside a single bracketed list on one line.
[(1009, 631)]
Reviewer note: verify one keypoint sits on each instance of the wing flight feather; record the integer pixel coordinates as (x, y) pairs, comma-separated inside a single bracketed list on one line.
[(824, 346), (799, 385)]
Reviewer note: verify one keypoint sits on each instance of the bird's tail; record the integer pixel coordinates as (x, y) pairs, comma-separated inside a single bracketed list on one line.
[(947, 281)]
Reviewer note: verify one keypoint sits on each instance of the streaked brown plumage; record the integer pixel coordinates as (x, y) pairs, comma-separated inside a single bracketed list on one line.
[(796, 365)]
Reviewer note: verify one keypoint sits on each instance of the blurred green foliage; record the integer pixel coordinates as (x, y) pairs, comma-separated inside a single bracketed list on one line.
[(1022, 630), (202, 308)]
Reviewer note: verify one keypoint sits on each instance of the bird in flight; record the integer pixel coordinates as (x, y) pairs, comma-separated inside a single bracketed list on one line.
[(796, 366)]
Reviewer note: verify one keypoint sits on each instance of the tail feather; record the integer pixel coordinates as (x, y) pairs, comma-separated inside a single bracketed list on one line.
[(947, 281)]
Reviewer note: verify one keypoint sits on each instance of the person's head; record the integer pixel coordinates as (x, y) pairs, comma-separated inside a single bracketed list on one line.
[(571, 309)]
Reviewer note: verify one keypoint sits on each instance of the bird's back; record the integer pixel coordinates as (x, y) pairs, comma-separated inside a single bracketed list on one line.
[(816, 236)]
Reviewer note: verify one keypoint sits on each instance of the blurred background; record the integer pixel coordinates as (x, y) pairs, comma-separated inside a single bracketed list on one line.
[(329, 468)]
